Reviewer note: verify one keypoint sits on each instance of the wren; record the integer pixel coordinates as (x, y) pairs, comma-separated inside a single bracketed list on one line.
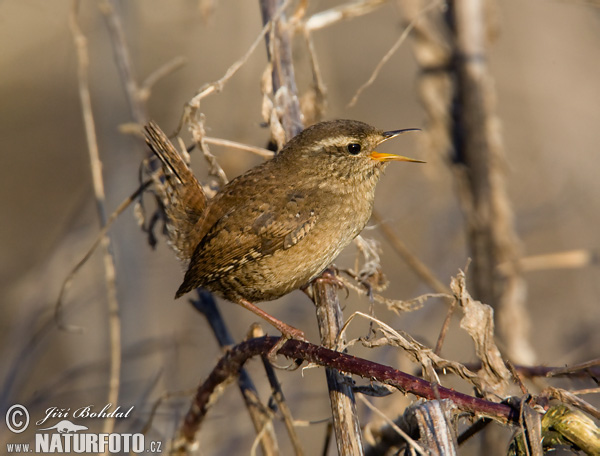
[(276, 227)]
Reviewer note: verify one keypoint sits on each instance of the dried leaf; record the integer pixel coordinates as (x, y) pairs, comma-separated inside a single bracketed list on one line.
[(478, 321)]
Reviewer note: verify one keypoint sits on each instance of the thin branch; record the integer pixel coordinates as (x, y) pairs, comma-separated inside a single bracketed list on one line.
[(277, 394), (409, 258), (394, 426), (445, 327), (569, 370), (123, 58), (568, 259), (96, 168), (547, 371), (198, 133), (103, 232), (158, 74), (401, 39), (264, 153), (581, 392), (233, 360), (570, 398), (193, 105), (331, 16)]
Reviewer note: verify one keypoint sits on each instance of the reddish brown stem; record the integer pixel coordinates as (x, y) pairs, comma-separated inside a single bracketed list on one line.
[(230, 364)]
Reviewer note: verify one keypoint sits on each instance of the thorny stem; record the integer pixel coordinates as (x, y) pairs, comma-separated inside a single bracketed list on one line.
[(229, 366)]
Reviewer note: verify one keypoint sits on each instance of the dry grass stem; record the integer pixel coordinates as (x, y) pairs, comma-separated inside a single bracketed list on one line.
[(413, 444), (569, 397), (284, 93), (261, 152), (158, 74), (401, 39), (193, 105), (97, 178), (124, 63), (101, 235), (434, 419), (314, 102), (198, 133), (570, 259), (278, 396), (331, 16), (420, 354), (395, 305), (445, 326), (422, 271), (586, 391), (341, 396)]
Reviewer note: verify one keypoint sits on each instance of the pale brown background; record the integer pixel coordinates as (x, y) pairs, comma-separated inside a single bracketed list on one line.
[(546, 62)]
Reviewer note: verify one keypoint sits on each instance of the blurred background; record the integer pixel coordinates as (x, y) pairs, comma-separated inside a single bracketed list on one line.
[(546, 63)]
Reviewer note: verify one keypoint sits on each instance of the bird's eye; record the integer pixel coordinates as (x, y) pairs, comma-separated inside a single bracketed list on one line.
[(353, 148)]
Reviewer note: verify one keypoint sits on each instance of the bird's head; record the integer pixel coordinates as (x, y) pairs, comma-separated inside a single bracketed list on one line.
[(345, 149)]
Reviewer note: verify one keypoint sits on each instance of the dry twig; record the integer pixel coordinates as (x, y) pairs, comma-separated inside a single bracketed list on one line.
[(193, 106), (415, 446), (401, 39), (422, 271), (96, 168)]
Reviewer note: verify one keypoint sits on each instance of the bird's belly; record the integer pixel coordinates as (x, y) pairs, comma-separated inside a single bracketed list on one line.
[(285, 270), (278, 274)]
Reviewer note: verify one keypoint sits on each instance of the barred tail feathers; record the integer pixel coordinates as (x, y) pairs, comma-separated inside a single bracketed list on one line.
[(180, 192)]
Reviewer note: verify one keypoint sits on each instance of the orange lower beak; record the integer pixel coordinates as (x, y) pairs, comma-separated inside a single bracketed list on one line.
[(391, 157)]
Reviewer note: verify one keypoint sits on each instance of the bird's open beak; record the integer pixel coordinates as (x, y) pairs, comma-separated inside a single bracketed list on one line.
[(379, 156), (382, 157)]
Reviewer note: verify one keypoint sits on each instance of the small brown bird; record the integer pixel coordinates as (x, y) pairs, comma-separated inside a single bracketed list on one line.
[(279, 225)]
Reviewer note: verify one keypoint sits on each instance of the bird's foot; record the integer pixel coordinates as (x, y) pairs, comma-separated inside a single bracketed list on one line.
[(287, 332), (272, 355), (330, 276)]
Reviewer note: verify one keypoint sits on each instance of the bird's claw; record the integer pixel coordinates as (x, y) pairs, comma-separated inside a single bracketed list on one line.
[(272, 355)]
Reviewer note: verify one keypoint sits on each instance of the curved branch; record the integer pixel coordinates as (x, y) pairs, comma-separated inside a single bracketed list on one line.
[(227, 368)]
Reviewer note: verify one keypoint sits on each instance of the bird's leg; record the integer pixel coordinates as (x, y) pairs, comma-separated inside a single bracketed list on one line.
[(287, 331)]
